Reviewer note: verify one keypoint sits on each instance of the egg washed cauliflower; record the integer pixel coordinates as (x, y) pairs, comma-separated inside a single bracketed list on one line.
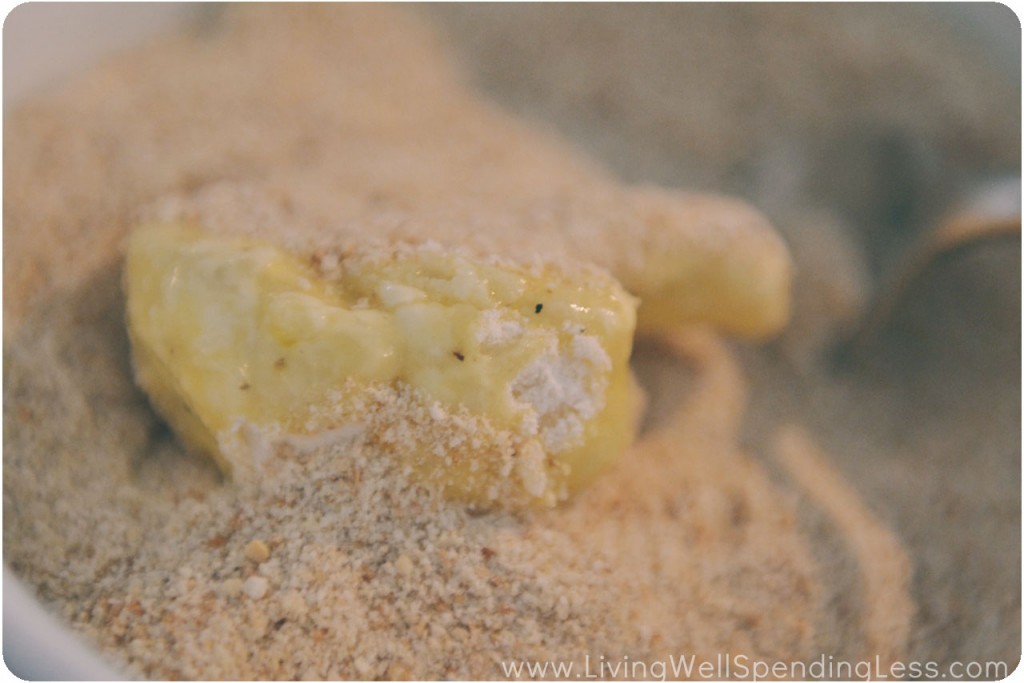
[(244, 347)]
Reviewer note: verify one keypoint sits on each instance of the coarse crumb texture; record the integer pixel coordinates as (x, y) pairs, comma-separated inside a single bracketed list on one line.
[(339, 567)]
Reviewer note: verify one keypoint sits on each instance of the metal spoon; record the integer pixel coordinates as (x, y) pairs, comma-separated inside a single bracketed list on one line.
[(991, 213)]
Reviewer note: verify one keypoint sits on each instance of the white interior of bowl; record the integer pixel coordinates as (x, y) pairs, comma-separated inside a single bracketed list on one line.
[(45, 43)]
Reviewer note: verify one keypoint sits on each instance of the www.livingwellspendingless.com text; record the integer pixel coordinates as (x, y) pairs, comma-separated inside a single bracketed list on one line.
[(726, 667)]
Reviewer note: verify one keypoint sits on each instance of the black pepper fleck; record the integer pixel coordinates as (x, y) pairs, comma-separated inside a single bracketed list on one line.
[(538, 308), (458, 355)]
